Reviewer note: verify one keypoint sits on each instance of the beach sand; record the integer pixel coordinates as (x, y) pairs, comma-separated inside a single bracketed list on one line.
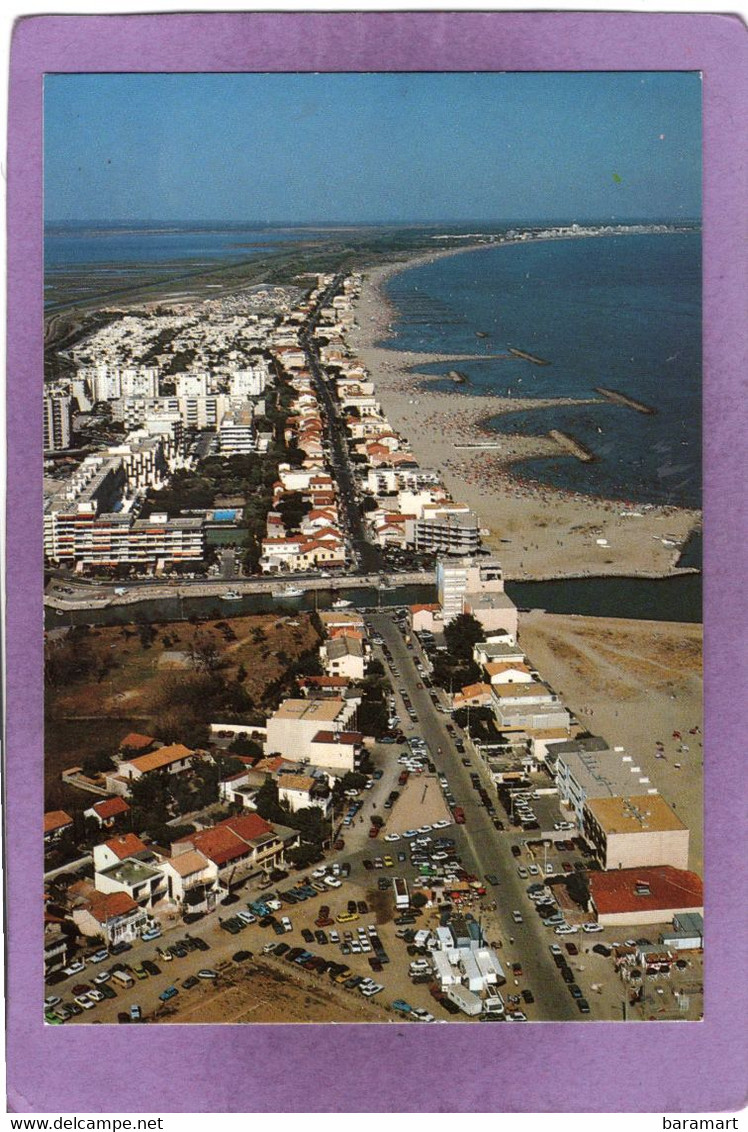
[(537, 531)]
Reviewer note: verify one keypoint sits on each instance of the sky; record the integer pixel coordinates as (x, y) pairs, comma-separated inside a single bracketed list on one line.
[(353, 148)]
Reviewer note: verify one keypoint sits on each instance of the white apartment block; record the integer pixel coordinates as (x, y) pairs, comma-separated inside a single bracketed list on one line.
[(57, 418), (459, 577), (236, 434), (192, 384), (248, 382), (108, 383)]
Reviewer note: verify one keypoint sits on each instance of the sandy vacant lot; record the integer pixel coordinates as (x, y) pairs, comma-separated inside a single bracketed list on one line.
[(420, 803), (633, 683), (272, 991)]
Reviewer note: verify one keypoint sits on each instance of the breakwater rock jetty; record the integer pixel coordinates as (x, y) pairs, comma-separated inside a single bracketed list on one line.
[(622, 399), (528, 357), (573, 446)]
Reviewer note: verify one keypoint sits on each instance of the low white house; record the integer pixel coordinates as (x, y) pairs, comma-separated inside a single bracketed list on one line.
[(301, 791)]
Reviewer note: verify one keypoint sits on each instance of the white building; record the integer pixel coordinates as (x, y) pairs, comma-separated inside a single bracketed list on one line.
[(57, 422), (248, 382)]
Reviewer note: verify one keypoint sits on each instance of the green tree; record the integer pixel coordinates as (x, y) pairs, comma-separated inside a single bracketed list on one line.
[(461, 635)]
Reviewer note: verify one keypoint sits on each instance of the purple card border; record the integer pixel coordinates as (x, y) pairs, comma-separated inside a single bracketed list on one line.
[(601, 1067)]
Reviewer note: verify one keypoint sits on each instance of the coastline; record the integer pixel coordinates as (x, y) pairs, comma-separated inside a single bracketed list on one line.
[(540, 532)]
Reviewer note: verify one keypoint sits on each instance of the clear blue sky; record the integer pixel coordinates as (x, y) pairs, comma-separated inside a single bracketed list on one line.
[(378, 147)]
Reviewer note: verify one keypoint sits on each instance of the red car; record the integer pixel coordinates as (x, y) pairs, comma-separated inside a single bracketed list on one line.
[(459, 815), (374, 831)]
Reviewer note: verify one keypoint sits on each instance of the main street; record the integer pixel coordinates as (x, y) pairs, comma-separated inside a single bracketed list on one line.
[(483, 849), (369, 556)]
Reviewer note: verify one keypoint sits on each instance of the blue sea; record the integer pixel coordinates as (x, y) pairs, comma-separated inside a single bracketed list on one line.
[(622, 312)]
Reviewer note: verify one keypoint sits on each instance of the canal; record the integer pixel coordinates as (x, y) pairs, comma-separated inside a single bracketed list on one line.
[(650, 599)]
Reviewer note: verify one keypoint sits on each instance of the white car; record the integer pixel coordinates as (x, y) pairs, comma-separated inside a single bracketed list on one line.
[(425, 829), (268, 948), (567, 929), (370, 991), (421, 1015), (84, 1001), (286, 924), (52, 1001), (96, 995), (102, 977), (516, 1016), (272, 903), (246, 917), (392, 837), (555, 949), (334, 936), (533, 870), (592, 927), (517, 917), (441, 824), (318, 874), (411, 833), (333, 882), (76, 966), (522, 872)]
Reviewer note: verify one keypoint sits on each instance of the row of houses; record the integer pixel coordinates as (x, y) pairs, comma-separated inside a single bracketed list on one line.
[(316, 540)]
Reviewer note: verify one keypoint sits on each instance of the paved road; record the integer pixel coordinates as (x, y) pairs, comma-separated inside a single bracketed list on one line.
[(483, 849)]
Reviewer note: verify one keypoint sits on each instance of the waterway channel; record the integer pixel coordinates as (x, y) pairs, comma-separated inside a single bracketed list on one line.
[(651, 599)]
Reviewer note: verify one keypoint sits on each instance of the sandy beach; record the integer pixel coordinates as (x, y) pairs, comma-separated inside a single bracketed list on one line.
[(538, 531)]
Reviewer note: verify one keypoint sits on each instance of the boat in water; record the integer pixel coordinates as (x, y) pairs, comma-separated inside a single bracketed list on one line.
[(288, 591), (341, 603), (231, 595)]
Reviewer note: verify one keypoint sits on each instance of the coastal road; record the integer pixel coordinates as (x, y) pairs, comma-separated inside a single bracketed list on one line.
[(483, 849)]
